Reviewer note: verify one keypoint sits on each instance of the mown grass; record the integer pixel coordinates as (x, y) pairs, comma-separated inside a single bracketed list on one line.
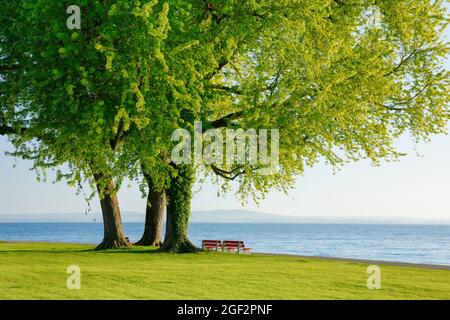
[(38, 271)]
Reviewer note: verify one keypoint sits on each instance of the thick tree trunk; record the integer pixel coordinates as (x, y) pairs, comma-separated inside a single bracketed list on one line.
[(154, 214), (113, 235), (178, 212)]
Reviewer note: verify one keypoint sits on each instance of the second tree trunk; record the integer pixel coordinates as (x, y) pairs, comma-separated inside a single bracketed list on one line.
[(154, 214)]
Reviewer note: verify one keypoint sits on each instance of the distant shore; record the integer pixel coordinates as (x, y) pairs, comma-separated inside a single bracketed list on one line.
[(218, 216)]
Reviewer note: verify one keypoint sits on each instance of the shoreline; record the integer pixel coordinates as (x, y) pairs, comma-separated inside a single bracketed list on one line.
[(365, 261), (353, 260)]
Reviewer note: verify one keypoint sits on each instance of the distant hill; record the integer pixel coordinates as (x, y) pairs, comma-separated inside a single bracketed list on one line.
[(239, 216), (75, 217), (219, 216), (244, 216), (214, 216)]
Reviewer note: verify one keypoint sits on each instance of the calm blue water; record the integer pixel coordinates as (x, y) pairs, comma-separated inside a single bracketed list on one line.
[(405, 243)]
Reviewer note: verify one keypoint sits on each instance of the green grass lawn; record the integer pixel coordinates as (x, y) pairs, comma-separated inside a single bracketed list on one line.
[(38, 271)]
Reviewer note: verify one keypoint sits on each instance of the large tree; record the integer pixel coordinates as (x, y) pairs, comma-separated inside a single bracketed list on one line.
[(341, 80), (62, 100)]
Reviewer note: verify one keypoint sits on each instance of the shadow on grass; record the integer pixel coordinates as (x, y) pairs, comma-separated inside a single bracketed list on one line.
[(132, 250), (125, 250), (41, 251), (141, 250)]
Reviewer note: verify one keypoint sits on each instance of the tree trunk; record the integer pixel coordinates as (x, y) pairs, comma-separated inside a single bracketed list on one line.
[(113, 235), (178, 212), (154, 214)]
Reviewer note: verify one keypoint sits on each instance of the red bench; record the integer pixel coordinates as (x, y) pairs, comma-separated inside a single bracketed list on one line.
[(212, 245), (235, 246)]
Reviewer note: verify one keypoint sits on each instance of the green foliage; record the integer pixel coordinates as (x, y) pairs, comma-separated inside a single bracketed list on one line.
[(340, 79)]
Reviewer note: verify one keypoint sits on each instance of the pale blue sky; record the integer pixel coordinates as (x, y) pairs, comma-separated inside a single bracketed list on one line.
[(415, 187)]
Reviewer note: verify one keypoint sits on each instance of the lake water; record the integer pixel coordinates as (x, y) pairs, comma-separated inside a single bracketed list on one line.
[(404, 243)]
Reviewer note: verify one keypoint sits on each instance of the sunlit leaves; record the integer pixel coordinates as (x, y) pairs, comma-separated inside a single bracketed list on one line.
[(340, 79)]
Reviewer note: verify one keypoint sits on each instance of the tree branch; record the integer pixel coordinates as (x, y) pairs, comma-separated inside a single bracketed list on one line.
[(11, 67), (234, 90), (228, 175), (395, 106), (7, 130), (402, 62), (224, 121), (119, 138)]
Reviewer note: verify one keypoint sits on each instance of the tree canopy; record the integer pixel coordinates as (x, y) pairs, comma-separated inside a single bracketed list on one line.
[(341, 80)]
